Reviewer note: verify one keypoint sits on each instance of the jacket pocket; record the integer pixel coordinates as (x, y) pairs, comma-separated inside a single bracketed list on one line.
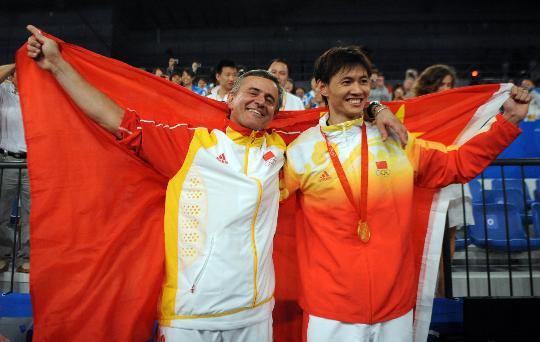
[(203, 268)]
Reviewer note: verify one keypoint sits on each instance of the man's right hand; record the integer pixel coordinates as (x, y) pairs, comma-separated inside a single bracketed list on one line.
[(43, 50), (95, 104)]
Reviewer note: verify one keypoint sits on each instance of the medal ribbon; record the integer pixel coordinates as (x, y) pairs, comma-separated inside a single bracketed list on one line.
[(362, 208)]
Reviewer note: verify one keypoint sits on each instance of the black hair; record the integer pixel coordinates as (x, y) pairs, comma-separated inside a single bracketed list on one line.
[(280, 60), (223, 64), (189, 72)]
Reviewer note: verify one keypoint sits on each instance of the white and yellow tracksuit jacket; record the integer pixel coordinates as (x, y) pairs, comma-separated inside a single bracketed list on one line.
[(220, 218)]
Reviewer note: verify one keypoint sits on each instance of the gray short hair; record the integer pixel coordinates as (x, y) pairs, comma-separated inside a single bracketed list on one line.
[(263, 74)]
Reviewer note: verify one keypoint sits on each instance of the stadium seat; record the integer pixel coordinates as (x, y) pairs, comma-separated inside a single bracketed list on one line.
[(496, 228), (513, 197), (476, 190), (512, 183)]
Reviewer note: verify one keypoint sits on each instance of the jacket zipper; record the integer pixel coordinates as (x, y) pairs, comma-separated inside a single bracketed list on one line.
[(254, 242), (254, 220), (201, 271)]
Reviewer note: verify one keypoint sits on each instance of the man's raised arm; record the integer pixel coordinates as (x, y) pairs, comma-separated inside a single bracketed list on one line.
[(98, 106)]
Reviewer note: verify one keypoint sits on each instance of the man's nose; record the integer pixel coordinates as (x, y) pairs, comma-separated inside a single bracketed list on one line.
[(356, 88), (259, 99)]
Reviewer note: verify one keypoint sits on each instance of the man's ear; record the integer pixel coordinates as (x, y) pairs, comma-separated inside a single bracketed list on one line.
[(230, 99), (323, 88)]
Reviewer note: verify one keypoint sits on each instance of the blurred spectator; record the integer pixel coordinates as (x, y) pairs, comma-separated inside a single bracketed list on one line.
[(310, 94), (300, 93), (226, 74), (280, 69), (176, 78), (399, 93), (527, 83), (408, 84), (438, 77), (159, 72), (201, 83), (410, 76), (289, 85), (171, 69), (411, 73), (379, 92), (534, 105), (187, 81), (13, 150), (317, 101), (195, 66)]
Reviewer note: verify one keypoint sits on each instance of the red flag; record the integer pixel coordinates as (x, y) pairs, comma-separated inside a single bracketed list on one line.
[(97, 210)]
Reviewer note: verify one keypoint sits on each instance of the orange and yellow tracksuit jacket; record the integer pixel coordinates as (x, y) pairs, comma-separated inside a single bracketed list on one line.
[(220, 218), (342, 277)]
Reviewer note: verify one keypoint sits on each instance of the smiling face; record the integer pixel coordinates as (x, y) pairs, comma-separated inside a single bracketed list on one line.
[(187, 80), (255, 103), (347, 93)]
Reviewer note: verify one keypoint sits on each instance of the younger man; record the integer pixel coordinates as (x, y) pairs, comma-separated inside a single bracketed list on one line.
[(355, 250)]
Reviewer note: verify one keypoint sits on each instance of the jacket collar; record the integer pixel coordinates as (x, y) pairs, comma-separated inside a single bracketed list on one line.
[(242, 135), (341, 127)]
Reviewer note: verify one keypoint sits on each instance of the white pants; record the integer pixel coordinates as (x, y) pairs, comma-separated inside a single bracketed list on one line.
[(396, 330), (260, 332)]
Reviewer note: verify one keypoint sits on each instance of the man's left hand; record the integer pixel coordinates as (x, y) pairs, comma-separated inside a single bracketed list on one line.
[(385, 120), (517, 105)]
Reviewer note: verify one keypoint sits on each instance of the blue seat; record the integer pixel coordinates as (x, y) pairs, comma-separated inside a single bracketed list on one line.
[(535, 210), (513, 197), (512, 183), (495, 225), (476, 190)]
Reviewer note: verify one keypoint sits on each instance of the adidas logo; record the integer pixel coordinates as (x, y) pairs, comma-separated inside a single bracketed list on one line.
[(324, 177), (221, 158)]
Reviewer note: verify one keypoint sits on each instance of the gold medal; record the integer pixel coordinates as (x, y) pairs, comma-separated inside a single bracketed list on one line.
[(363, 232)]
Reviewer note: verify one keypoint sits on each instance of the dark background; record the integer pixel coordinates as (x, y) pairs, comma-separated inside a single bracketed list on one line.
[(500, 39)]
